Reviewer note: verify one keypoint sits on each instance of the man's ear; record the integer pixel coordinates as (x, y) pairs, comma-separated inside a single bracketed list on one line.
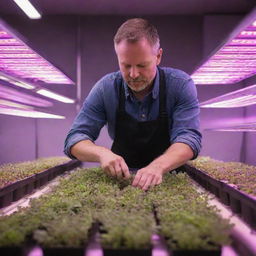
[(159, 56)]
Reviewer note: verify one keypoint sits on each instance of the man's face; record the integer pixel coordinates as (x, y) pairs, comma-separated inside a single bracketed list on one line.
[(138, 62)]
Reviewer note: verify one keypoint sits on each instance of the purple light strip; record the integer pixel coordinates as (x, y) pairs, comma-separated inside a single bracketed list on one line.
[(9, 41), (234, 61), (11, 94), (13, 50), (240, 98)]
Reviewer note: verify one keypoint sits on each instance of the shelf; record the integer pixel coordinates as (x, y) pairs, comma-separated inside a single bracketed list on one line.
[(239, 98), (243, 127), (234, 60), (18, 60)]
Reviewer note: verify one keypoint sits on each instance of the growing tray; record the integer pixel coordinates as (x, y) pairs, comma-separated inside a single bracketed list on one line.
[(239, 202), (18, 251), (196, 253), (19, 189), (126, 252), (15, 251)]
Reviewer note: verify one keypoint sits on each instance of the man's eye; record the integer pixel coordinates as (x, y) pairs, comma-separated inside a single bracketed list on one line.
[(141, 66)]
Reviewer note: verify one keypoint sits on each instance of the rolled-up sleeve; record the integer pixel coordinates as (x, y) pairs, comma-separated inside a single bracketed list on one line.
[(89, 121), (185, 122)]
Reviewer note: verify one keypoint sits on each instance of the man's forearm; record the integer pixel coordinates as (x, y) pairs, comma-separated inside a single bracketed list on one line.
[(176, 155), (87, 151)]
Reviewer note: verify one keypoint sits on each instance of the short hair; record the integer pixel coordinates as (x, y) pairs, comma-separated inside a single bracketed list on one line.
[(135, 29)]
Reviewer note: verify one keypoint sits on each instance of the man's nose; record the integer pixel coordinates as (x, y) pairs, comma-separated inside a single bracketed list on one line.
[(134, 73)]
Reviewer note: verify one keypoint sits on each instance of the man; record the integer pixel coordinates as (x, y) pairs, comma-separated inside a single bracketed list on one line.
[(152, 113)]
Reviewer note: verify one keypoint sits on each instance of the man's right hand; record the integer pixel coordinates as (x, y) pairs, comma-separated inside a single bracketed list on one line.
[(114, 165), (111, 163)]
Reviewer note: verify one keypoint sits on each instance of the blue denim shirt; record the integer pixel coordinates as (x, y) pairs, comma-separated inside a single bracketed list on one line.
[(99, 109)]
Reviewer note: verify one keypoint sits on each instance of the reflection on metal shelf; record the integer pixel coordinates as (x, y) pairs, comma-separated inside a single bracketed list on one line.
[(234, 60), (240, 98), (243, 127), (20, 61)]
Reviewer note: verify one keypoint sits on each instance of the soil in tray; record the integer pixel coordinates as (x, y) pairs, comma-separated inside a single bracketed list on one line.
[(20, 188), (239, 202), (62, 212), (10, 173)]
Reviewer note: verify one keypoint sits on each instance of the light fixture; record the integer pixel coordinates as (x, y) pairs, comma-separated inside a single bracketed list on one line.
[(28, 113), (55, 96), (19, 61), (23, 85), (28, 8), (8, 103), (14, 95), (239, 98), (234, 60), (4, 78), (243, 127)]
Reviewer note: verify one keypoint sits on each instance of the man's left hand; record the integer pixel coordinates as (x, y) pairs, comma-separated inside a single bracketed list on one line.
[(147, 177)]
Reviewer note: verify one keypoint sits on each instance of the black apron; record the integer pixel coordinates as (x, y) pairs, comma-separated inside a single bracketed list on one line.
[(139, 143)]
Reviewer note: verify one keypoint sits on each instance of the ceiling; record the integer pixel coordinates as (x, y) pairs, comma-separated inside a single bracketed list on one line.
[(133, 7)]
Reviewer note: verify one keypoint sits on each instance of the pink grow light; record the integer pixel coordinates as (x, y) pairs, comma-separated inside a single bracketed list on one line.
[(32, 66), (235, 60)]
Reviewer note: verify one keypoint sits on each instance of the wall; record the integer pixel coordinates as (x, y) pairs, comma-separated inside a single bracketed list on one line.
[(17, 137)]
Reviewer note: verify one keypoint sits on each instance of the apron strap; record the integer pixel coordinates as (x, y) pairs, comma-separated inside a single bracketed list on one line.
[(162, 94)]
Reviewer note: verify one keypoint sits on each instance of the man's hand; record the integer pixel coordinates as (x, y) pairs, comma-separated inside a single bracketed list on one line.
[(114, 165), (148, 177)]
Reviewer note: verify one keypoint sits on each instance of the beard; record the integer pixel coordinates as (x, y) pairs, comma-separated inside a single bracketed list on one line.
[(137, 85)]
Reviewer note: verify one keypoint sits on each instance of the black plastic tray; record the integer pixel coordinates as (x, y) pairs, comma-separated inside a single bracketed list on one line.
[(127, 252), (19, 189), (23, 251), (63, 251), (195, 253), (15, 251), (239, 202)]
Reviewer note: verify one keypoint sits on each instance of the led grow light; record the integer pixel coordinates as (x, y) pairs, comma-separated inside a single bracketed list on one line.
[(23, 85), (240, 98), (28, 113), (32, 67), (55, 96), (28, 9), (8, 103), (11, 94), (16, 82), (239, 49)]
